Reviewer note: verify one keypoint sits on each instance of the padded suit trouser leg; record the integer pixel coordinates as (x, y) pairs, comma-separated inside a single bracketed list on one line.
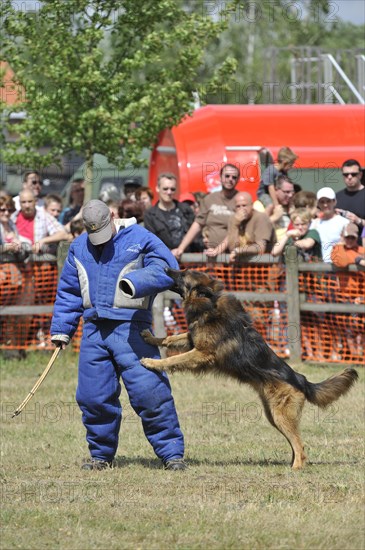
[(111, 349)]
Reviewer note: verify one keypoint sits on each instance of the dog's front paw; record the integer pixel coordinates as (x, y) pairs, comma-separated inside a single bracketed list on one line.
[(154, 364)]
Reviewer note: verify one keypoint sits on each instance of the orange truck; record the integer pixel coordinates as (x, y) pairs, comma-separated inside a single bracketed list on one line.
[(249, 136)]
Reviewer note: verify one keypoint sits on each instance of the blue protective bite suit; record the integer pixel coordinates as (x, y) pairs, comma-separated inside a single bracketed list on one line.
[(113, 289)]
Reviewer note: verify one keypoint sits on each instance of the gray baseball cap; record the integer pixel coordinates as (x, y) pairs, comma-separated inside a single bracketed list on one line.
[(98, 221)]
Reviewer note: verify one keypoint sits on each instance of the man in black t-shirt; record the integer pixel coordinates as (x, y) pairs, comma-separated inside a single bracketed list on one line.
[(169, 219), (351, 200)]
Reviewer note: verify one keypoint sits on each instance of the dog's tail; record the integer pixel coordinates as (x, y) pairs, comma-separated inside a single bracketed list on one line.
[(324, 393)]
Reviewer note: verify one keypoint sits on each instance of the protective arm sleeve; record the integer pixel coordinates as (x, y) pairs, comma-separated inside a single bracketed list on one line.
[(152, 278)]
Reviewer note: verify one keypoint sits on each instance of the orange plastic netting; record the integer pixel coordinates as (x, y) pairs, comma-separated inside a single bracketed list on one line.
[(337, 337), (27, 285)]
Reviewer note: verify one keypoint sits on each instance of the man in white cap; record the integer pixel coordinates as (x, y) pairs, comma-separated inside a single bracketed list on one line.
[(330, 224), (110, 277)]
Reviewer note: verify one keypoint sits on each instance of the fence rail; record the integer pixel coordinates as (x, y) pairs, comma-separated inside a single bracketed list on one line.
[(305, 311)]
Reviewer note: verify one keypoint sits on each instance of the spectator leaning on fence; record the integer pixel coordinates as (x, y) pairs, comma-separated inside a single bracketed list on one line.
[(249, 232), (348, 251), (351, 285), (41, 231), (215, 210), (306, 240), (10, 243), (12, 256), (330, 224), (351, 200), (11, 253)]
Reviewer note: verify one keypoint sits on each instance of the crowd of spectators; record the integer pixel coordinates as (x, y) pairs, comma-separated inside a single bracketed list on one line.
[(222, 221)]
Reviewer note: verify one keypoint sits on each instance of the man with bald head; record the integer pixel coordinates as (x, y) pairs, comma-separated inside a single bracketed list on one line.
[(31, 182), (36, 227), (249, 232)]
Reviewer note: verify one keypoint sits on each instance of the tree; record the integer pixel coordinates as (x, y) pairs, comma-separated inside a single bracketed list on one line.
[(258, 29), (103, 76)]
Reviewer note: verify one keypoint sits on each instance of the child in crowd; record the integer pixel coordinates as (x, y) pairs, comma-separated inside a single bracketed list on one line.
[(53, 205), (77, 228), (266, 191), (348, 251), (306, 240)]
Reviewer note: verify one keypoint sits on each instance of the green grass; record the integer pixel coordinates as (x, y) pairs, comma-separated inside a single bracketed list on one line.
[(238, 493)]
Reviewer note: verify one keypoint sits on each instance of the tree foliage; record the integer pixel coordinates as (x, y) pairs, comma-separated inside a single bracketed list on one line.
[(263, 35), (101, 73)]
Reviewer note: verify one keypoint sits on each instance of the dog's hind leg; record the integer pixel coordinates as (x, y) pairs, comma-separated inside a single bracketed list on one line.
[(283, 406)]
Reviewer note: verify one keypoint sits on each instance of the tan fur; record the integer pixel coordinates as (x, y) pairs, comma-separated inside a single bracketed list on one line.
[(219, 330)]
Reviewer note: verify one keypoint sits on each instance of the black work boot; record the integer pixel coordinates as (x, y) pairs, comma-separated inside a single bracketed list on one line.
[(175, 464), (95, 464)]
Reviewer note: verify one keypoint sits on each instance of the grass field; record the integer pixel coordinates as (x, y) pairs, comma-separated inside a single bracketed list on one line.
[(238, 493)]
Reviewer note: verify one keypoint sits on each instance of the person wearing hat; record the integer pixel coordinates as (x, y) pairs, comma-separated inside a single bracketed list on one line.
[(351, 285), (110, 278), (190, 199), (348, 251), (330, 224), (130, 187)]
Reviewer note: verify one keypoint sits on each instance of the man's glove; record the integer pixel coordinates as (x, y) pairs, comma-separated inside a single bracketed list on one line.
[(60, 340)]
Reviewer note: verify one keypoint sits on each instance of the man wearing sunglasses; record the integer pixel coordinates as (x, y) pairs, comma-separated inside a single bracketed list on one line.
[(214, 214), (351, 199), (169, 219), (31, 182)]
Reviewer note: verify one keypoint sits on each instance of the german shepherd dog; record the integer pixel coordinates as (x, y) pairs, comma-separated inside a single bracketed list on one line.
[(222, 340)]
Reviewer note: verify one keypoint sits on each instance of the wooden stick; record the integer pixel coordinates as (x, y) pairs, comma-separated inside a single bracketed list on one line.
[(38, 383)]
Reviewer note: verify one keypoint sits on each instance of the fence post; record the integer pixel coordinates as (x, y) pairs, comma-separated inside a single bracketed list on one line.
[(292, 289)]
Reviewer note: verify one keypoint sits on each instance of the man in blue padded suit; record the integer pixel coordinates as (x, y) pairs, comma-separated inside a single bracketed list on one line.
[(111, 276)]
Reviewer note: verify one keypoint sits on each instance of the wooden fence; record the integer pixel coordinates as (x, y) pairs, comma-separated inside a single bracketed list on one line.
[(305, 311)]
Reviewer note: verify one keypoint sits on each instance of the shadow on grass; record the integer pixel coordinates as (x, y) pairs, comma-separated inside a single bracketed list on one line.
[(156, 464), (125, 462)]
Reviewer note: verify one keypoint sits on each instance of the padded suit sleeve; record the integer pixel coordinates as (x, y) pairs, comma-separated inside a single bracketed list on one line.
[(68, 306), (151, 278)]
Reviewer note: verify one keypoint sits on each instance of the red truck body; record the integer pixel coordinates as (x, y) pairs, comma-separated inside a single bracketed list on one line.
[(323, 137)]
